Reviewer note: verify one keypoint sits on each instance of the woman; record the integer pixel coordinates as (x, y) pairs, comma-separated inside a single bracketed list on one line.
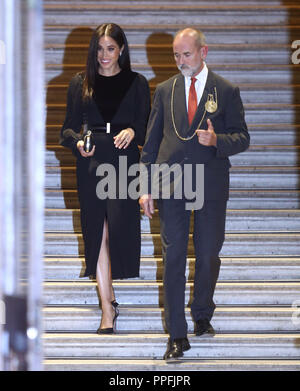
[(107, 93)]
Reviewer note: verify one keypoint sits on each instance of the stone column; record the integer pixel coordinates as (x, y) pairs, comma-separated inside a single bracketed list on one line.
[(22, 138)]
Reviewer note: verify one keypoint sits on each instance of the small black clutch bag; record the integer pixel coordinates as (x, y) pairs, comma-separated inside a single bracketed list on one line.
[(88, 142)]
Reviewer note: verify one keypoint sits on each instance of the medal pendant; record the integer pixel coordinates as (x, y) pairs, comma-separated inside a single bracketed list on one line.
[(211, 106)]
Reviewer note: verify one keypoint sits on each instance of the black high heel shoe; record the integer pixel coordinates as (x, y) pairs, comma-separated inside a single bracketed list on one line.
[(110, 330)]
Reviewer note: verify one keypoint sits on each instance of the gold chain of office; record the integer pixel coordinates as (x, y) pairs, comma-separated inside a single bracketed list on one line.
[(211, 106)]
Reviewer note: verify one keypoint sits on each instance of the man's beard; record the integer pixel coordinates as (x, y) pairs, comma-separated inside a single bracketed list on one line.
[(186, 70)]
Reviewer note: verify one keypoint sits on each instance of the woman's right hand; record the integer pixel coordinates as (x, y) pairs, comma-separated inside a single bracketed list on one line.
[(80, 145)]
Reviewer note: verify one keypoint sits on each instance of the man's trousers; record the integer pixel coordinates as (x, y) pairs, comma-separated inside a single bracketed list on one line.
[(208, 238)]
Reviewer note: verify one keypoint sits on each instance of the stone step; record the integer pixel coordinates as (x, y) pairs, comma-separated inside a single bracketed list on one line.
[(162, 53), (156, 73), (236, 244), (238, 199), (154, 345), (221, 364), (265, 94), (137, 292), (252, 177), (158, 33), (151, 319), (261, 155), (94, 13), (187, 2), (232, 268), (254, 113), (221, 3), (281, 134), (250, 93), (261, 134), (60, 220)]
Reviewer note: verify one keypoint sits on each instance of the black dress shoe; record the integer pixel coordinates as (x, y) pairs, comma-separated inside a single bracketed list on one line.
[(176, 347), (204, 327), (110, 330)]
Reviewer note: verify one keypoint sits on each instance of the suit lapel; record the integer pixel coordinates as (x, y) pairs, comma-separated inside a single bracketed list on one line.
[(179, 107)]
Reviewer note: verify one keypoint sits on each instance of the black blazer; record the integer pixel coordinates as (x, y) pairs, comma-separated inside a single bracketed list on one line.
[(133, 112), (163, 146)]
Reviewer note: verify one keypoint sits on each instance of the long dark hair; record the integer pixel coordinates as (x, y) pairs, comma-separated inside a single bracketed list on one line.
[(114, 31)]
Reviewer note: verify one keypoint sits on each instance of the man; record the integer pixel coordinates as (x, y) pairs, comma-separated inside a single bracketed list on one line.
[(197, 118)]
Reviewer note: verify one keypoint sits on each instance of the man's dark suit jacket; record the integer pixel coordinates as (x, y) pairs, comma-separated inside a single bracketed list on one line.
[(163, 146)]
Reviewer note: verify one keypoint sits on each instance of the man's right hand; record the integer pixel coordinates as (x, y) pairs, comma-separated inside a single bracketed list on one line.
[(147, 204), (80, 145)]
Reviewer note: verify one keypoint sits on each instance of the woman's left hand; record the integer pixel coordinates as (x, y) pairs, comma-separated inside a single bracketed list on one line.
[(124, 138)]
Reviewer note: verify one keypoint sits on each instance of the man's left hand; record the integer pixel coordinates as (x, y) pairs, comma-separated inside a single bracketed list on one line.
[(207, 137)]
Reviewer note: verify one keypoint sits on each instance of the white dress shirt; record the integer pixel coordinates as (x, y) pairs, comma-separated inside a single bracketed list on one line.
[(199, 85)]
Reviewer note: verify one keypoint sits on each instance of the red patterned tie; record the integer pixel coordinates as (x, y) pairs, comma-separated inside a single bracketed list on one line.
[(192, 105)]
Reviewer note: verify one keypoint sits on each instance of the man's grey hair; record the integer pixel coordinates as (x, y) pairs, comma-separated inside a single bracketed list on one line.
[(199, 36)]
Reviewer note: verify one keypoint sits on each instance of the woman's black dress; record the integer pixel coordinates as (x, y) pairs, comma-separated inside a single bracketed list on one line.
[(122, 100)]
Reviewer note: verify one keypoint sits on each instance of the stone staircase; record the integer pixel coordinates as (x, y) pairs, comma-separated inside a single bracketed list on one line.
[(256, 320)]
